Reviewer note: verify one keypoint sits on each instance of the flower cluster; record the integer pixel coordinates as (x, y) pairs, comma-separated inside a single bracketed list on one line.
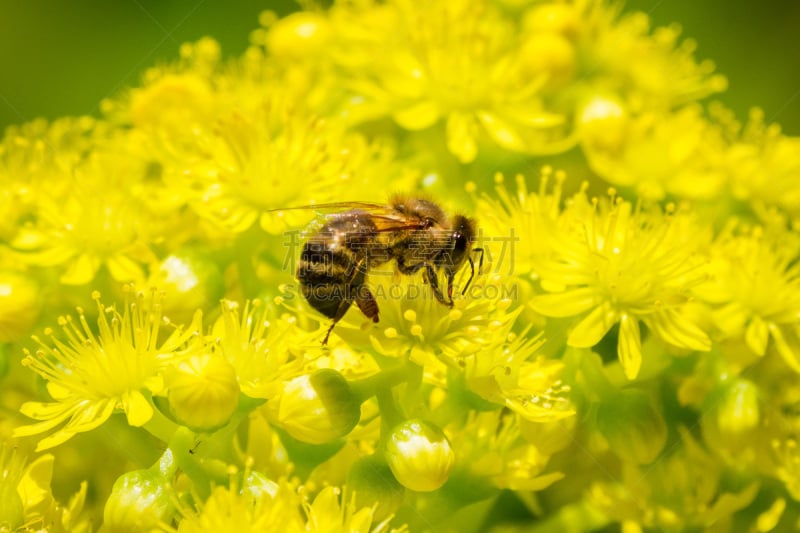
[(617, 346)]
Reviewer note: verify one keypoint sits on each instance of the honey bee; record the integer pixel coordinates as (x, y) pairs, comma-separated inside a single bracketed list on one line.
[(415, 233)]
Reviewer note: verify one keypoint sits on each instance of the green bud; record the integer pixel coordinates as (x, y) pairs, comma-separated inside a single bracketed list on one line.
[(203, 391), (634, 428), (316, 408), (20, 303), (738, 409), (139, 501), (372, 482), (192, 280), (419, 455), (731, 413)]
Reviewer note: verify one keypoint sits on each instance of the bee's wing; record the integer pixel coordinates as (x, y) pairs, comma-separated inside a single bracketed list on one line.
[(366, 206), (386, 219)]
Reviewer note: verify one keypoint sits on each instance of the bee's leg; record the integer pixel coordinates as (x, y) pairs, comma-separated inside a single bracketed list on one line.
[(347, 301), (344, 305), (433, 280), (450, 277), (408, 269), (366, 302)]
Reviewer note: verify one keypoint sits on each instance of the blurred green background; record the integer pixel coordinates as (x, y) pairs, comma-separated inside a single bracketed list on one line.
[(62, 58)]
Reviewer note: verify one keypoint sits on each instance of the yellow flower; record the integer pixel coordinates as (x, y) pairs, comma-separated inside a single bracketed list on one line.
[(328, 513), (251, 160), (414, 324), (756, 286), (175, 99), (398, 61), (286, 509), (682, 491), (764, 164), (508, 373), (244, 511), (490, 447), (659, 153), (91, 376), (263, 350), (96, 223), (615, 265), (26, 498), (511, 222), (649, 70), (36, 158), (787, 455)]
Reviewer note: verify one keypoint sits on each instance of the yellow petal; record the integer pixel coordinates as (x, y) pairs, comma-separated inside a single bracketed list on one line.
[(462, 133), (567, 303), (418, 117), (91, 416), (59, 437), (124, 268), (34, 487), (501, 132), (672, 327), (593, 327), (629, 346), (787, 345), (137, 408), (730, 318), (81, 270), (756, 335), (728, 503)]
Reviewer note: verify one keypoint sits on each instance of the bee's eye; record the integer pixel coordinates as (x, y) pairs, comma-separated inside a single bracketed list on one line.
[(461, 242)]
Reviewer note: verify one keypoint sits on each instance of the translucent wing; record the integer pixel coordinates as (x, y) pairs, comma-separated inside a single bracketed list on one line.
[(384, 216)]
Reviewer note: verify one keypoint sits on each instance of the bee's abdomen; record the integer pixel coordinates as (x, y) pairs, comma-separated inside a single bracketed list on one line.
[(328, 276)]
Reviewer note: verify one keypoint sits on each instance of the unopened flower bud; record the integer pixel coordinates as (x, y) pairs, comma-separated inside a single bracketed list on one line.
[(192, 281), (633, 427), (19, 305), (139, 501), (603, 122), (419, 455), (551, 55), (553, 17), (203, 391), (372, 482), (298, 34), (316, 408), (738, 410)]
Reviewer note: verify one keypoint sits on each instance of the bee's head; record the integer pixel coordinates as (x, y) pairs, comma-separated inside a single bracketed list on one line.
[(462, 239)]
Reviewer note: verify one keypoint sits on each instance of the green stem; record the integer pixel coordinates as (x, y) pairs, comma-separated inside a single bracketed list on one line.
[(160, 426), (220, 443), (182, 444), (390, 413), (368, 387)]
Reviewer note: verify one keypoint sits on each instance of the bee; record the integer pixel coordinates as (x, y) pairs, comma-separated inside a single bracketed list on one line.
[(415, 233)]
